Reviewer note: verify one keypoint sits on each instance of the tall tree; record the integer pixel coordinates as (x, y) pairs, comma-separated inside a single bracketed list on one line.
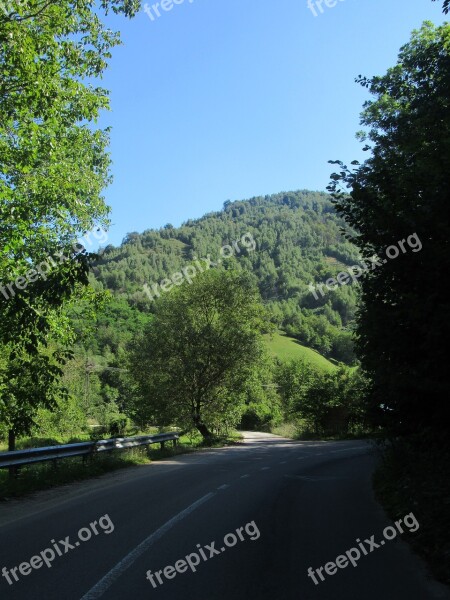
[(401, 193), (193, 362), (53, 167), (53, 162)]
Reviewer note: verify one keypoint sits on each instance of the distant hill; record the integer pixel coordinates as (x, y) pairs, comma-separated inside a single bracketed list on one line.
[(298, 240)]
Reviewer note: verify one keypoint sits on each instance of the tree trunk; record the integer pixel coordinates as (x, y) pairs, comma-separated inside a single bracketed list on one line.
[(11, 440), (202, 428), (11, 447)]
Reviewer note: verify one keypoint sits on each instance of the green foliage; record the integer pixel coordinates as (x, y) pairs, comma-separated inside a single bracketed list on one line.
[(192, 364), (66, 418), (28, 383), (298, 231), (329, 402), (400, 190), (298, 241), (53, 168), (293, 379), (263, 409)]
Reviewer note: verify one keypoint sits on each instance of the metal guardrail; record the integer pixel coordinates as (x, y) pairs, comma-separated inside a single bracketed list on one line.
[(18, 458)]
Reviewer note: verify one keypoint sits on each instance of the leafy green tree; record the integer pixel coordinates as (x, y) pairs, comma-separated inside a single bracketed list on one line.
[(53, 162), (28, 383), (293, 379), (263, 409), (329, 402), (53, 168), (400, 195), (192, 363)]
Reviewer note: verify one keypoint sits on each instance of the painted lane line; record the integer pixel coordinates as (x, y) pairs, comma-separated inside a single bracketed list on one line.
[(223, 487), (106, 582), (348, 449), (314, 477), (244, 476), (265, 469)]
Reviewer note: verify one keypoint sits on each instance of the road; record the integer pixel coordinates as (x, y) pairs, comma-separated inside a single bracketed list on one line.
[(289, 505)]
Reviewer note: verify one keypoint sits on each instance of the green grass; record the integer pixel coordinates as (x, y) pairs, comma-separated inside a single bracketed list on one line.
[(300, 430), (286, 348), (287, 430)]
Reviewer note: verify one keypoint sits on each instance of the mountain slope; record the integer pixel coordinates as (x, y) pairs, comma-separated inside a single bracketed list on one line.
[(297, 240)]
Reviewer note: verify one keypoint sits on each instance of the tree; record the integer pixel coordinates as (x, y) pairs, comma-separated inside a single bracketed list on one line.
[(293, 379), (400, 195), (53, 168), (263, 408), (28, 383), (192, 363), (53, 162), (329, 402)]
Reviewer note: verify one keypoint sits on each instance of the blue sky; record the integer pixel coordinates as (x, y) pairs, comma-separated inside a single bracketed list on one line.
[(228, 99)]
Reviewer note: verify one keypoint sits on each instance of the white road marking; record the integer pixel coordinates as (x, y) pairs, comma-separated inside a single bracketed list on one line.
[(313, 478), (223, 487), (244, 476), (106, 582), (347, 449), (265, 469)]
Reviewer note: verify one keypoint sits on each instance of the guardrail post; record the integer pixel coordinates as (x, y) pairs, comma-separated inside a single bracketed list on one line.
[(13, 472), (175, 442), (163, 445), (89, 457)]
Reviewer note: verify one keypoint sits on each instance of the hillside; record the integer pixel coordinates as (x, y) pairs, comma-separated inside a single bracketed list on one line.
[(286, 348), (297, 240)]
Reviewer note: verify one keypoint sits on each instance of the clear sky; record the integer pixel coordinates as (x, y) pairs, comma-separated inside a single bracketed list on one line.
[(227, 99)]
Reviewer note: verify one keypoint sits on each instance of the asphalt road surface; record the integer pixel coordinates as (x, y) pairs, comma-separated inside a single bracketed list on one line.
[(250, 518)]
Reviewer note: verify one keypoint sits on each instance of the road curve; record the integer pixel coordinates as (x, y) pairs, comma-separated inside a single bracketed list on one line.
[(257, 516)]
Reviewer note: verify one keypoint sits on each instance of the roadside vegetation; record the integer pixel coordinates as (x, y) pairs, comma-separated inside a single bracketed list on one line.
[(402, 329)]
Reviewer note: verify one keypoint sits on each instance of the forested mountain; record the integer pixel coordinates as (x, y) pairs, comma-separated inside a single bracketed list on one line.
[(297, 240), (286, 241)]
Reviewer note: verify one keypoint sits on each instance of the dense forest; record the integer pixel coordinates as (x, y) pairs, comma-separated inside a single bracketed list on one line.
[(297, 240)]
